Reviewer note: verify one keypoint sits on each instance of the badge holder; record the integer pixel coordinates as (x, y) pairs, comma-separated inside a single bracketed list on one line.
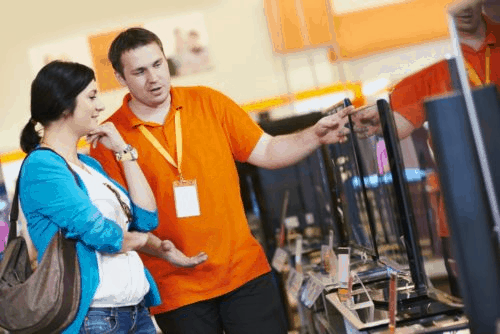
[(187, 203)]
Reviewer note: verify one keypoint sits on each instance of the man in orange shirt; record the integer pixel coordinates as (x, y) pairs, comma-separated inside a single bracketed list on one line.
[(188, 139), (480, 42)]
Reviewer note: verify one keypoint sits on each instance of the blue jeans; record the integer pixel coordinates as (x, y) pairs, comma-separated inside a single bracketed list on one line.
[(118, 320)]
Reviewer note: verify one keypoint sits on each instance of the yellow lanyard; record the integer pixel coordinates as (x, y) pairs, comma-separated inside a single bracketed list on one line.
[(178, 139), (473, 76)]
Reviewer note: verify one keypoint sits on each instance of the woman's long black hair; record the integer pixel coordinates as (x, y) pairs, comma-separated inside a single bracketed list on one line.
[(53, 92)]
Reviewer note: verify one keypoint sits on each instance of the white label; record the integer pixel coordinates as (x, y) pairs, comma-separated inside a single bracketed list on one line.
[(312, 291), (298, 251), (292, 222), (186, 201), (343, 273), (280, 259), (309, 218)]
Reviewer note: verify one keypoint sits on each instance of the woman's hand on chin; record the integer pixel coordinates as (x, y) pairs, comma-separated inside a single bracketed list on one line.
[(108, 135)]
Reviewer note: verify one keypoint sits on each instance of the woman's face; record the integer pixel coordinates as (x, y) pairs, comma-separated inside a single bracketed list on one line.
[(87, 110)]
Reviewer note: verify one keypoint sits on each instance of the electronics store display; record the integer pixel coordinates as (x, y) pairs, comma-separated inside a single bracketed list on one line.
[(340, 281)]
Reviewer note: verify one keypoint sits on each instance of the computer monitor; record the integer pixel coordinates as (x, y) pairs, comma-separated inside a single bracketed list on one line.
[(349, 175), (467, 201), (309, 197)]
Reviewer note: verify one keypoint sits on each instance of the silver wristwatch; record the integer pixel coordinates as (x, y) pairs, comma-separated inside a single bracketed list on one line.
[(128, 154)]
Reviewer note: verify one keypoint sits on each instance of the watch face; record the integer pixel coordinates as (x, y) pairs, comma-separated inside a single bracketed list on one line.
[(129, 154), (134, 154)]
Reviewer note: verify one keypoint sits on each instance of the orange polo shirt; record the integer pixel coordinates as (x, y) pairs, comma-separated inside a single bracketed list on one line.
[(408, 96), (215, 132)]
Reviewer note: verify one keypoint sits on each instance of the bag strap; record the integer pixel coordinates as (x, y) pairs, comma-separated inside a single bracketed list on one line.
[(14, 211)]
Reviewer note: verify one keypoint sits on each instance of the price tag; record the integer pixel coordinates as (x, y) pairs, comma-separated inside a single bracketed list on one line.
[(294, 282), (312, 291), (343, 268), (280, 259), (292, 222), (343, 272), (298, 251)]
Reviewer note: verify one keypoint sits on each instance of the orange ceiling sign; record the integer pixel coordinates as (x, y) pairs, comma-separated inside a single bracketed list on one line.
[(297, 25), (379, 29)]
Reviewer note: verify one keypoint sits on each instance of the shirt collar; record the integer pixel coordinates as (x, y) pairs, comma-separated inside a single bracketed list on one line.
[(132, 121), (491, 27)]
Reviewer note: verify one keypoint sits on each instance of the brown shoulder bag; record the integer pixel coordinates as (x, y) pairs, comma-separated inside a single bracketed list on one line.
[(43, 301)]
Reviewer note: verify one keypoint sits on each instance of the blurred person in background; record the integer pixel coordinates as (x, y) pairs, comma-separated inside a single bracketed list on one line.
[(480, 41)]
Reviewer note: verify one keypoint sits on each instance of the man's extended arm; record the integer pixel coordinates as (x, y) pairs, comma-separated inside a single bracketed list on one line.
[(367, 123), (285, 150)]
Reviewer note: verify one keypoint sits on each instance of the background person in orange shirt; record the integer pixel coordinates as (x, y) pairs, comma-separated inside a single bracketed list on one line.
[(187, 136), (480, 42)]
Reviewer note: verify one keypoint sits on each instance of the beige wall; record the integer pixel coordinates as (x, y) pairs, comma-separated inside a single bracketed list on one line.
[(245, 66)]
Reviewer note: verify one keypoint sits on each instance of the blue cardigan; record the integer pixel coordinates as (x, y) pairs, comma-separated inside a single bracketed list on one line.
[(51, 200)]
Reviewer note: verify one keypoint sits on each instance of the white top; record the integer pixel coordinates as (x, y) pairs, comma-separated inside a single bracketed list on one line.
[(122, 281)]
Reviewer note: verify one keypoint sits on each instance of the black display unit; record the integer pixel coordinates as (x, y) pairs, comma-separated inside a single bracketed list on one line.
[(404, 207), (343, 159), (466, 199), (263, 190), (378, 208)]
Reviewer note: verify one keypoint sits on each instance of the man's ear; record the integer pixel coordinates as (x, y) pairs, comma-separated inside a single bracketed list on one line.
[(120, 79)]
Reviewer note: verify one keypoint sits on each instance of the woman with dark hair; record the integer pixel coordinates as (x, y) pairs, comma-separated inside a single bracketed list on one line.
[(63, 190)]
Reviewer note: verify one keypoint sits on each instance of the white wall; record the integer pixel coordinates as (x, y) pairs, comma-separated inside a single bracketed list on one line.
[(245, 66)]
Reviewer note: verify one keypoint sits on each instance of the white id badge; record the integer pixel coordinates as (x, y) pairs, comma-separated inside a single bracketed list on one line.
[(186, 198)]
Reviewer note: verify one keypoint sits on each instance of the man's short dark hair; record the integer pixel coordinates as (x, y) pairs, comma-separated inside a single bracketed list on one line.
[(130, 39)]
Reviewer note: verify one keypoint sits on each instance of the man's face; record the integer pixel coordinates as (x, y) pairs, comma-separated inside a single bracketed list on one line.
[(469, 18), (146, 74)]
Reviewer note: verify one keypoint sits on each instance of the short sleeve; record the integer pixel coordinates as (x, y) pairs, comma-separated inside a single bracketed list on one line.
[(240, 128), (408, 96)]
